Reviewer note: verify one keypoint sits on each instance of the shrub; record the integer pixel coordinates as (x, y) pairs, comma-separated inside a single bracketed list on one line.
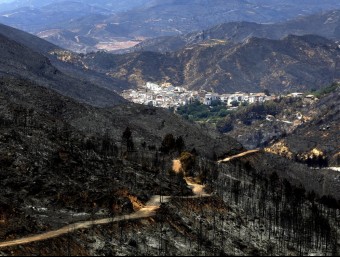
[(187, 161)]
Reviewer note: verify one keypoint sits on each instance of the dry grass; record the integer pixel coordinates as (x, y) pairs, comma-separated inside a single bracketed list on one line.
[(177, 166)]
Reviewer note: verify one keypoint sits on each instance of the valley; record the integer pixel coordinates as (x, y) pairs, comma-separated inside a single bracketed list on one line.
[(170, 128)]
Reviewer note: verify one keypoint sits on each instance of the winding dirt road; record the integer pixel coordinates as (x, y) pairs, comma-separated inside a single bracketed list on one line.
[(149, 210), (146, 212), (197, 189), (239, 156)]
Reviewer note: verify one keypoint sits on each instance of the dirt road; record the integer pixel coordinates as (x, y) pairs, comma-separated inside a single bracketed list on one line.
[(146, 212), (197, 189), (239, 156)]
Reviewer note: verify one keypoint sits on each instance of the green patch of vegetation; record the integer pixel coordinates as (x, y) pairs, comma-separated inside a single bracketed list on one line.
[(327, 90), (202, 113)]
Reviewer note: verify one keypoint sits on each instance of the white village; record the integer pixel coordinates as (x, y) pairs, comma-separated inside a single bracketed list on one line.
[(166, 95)]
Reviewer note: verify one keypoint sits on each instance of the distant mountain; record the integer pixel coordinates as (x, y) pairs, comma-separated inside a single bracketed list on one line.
[(107, 4), (295, 63), (84, 26), (34, 20), (325, 24), (169, 17), (25, 56), (11, 5)]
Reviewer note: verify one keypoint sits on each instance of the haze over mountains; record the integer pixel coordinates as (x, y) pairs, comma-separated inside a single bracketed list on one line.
[(85, 26), (105, 4)]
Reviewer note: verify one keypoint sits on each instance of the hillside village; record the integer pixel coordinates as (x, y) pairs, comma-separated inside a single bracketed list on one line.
[(166, 95)]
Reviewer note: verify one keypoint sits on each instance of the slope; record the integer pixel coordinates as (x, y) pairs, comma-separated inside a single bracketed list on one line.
[(38, 45), (66, 162), (315, 142), (20, 61), (66, 155), (30, 57)]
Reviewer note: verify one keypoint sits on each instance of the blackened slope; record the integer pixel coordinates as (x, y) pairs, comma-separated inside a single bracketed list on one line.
[(20, 61), (321, 133), (46, 163), (148, 125), (45, 48), (322, 182), (28, 40), (46, 160)]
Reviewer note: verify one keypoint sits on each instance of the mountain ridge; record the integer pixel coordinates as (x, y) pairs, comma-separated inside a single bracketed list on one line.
[(295, 63), (325, 24)]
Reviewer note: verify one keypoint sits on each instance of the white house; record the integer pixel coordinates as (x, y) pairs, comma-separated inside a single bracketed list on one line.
[(311, 97), (234, 98), (179, 90), (297, 95), (257, 98), (210, 98), (153, 86)]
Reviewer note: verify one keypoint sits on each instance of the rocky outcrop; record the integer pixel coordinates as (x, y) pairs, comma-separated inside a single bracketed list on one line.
[(280, 149)]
